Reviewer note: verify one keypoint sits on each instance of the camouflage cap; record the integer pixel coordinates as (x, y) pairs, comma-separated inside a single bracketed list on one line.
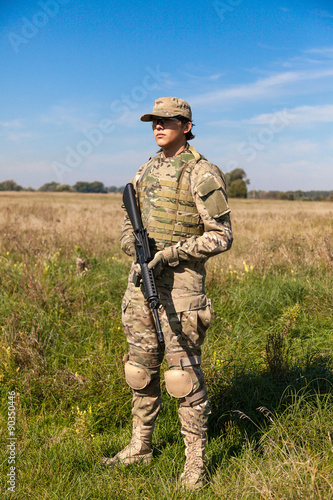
[(167, 107)]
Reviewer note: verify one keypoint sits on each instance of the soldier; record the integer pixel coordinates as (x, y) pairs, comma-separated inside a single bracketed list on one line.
[(183, 203)]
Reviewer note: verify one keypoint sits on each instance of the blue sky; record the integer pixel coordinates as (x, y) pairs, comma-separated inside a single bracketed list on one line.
[(77, 75)]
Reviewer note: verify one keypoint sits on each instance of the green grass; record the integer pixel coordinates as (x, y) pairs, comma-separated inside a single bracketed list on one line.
[(268, 365)]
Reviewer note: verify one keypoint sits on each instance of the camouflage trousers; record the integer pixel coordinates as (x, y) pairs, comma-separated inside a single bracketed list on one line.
[(184, 333)]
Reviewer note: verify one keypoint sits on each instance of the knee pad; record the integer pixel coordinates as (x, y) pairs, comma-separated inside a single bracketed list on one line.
[(141, 367), (178, 383), (186, 382), (136, 375)]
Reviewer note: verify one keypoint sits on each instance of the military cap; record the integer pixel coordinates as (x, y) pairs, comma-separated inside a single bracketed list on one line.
[(168, 107)]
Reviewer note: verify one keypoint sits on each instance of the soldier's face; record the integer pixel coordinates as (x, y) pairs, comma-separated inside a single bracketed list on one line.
[(170, 132)]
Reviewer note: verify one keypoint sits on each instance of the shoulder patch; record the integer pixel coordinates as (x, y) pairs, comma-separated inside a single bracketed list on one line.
[(213, 196), (207, 185)]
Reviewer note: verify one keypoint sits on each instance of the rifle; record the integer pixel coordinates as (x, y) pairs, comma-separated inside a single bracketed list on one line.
[(143, 256)]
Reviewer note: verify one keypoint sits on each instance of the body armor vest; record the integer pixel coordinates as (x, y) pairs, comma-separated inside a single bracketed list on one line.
[(167, 207)]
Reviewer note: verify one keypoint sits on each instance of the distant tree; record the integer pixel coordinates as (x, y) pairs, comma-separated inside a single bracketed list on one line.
[(113, 189), (89, 187), (273, 195), (81, 187), (234, 175), (237, 189), (64, 187), (121, 189), (97, 187), (49, 186), (10, 186), (298, 195), (237, 183)]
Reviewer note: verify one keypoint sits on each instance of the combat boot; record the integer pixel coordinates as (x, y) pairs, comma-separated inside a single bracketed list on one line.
[(194, 475), (193, 428), (138, 450)]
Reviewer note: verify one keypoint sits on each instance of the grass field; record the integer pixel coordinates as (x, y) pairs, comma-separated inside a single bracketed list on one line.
[(267, 359)]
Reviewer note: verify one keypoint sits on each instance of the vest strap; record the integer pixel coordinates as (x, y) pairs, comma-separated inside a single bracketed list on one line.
[(175, 196), (170, 204), (183, 187), (159, 151), (195, 153), (179, 228), (167, 237), (190, 219)]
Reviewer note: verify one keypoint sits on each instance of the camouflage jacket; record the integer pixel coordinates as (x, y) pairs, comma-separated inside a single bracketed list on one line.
[(183, 203)]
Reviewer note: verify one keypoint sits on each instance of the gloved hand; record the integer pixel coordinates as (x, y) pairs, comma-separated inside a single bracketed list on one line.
[(136, 276), (137, 270), (163, 258), (128, 246)]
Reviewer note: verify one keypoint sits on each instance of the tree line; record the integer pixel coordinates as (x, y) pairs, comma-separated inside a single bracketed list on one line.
[(236, 181), (236, 186), (291, 195), (56, 187)]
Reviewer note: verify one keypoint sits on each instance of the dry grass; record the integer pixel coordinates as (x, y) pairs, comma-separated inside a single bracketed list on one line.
[(266, 232), (42, 223), (280, 233)]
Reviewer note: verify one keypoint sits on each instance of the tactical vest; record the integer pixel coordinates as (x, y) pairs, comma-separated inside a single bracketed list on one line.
[(167, 207)]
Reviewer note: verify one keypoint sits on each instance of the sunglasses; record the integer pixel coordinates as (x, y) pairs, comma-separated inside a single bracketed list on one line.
[(164, 122)]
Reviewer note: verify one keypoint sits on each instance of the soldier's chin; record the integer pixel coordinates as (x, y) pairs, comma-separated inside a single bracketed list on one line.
[(161, 141)]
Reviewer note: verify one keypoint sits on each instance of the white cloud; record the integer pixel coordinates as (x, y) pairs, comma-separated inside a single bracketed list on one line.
[(323, 13), (16, 131), (301, 115), (13, 124), (284, 82), (323, 51), (62, 115), (201, 78), (20, 137)]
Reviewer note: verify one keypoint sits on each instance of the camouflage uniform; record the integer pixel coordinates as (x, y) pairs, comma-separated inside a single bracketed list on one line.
[(184, 209)]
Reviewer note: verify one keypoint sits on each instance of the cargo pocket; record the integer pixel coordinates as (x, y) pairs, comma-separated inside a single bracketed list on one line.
[(205, 317), (194, 326)]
